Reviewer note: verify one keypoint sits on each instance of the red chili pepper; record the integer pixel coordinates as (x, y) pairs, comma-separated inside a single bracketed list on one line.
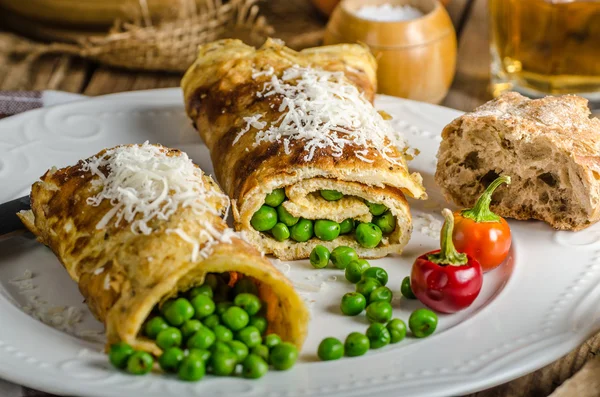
[(445, 280), (481, 233)]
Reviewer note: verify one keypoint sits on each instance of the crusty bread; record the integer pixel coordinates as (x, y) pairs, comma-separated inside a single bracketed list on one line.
[(550, 147)]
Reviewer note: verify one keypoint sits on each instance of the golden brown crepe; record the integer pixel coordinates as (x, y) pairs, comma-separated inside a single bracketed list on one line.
[(226, 96), (124, 267)]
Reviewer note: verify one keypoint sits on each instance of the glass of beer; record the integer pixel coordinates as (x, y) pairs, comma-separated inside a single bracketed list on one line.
[(542, 47)]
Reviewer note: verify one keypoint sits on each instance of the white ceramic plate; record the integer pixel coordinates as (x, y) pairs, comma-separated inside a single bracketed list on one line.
[(533, 309)]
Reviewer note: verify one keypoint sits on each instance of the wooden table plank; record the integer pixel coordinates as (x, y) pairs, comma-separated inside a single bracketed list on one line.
[(106, 80)]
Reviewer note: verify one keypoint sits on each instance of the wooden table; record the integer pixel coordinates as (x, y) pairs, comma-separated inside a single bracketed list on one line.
[(470, 88)]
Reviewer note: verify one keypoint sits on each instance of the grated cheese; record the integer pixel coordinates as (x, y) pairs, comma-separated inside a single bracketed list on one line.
[(98, 271), (143, 183), (324, 110), (428, 225)]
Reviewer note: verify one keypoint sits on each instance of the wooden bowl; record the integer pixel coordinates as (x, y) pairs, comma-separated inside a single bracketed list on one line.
[(327, 6), (416, 58)]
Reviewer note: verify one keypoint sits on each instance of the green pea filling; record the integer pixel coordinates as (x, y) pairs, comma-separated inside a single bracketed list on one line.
[(213, 329), (274, 220)]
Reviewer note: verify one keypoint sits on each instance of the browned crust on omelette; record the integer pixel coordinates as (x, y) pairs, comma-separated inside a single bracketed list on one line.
[(145, 270), (219, 92)]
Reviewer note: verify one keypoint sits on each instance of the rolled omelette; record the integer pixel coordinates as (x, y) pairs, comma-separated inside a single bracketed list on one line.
[(304, 122), (137, 224)]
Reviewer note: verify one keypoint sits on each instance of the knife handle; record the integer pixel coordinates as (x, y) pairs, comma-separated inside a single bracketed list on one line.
[(9, 221)]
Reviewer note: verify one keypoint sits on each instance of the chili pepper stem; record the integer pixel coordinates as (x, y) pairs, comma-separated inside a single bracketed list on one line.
[(448, 254), (481, 210)]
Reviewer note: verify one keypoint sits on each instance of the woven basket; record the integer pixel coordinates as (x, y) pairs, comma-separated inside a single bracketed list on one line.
[(168, 46)]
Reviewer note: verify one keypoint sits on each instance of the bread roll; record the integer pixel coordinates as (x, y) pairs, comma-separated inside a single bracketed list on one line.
[(550, 147)]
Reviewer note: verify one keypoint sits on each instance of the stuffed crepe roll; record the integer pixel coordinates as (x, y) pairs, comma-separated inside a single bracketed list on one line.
[(299, 148), (136, 225)]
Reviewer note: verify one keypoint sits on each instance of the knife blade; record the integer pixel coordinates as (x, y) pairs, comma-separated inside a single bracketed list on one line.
[(9, 221)]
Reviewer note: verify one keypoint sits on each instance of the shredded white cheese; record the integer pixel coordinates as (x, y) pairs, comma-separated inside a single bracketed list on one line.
[(107, 282), (98, 271), (324, 110), (428, 225), (143, 183)]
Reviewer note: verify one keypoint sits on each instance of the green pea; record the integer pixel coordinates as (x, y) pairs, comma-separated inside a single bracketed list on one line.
[(397, 330), (285, 217), (201, 290), (240, 350), (245, 285), (347, 226), (264, 219), (179, 312), (275, 198), (235, 318), (378, 335), (165, 306), (366, 286), (191, 369), (140, 363), (377, 273), (375, 208), (331, 195), (383, 294), (249, 302), (212, 280), (171, 358), (386, 222), (202, 339), (406, 289), (203, 306), (330, 349), (154, 326), (170, 337), (222, 307), (254, 367), (261, 351), (220, 347), (422, 323), (119, 354), (341, 256), (355, 269), (319, 257), (353, 304), (356, 344), (250, 336), (260, 323), (379, 312), (202, 354), (283, 356), (368, 235), (272, 340), (223, 364), (302, 231), (222, 333), (327, 230), (211, 321), (189, 328), (280, 232)]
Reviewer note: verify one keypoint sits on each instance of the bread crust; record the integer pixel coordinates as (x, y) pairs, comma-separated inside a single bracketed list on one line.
[(549, 146)]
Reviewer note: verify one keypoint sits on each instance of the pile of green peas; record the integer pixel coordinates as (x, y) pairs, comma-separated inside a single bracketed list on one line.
[(373, 296), (274, 219), (213, 329)]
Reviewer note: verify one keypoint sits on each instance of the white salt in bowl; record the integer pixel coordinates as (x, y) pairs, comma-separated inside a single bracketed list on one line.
[(413, 40)]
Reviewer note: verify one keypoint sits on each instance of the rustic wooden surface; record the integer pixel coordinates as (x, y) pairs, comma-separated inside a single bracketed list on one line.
[(470, 88)]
